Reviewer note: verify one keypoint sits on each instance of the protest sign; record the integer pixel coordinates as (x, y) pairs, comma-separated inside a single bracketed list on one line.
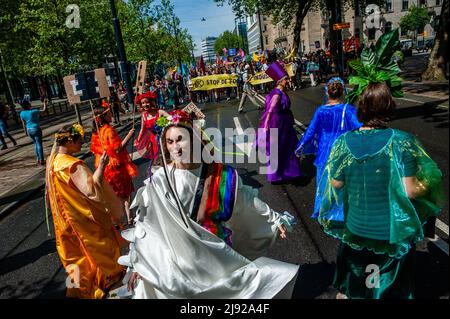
[(86, 86), (192, 108)]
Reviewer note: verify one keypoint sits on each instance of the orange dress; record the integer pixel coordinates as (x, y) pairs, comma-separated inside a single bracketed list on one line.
[(88, 245), (120, 169)]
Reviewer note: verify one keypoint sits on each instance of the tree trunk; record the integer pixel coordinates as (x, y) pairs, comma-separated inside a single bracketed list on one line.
[(437, 68), (303, 9)]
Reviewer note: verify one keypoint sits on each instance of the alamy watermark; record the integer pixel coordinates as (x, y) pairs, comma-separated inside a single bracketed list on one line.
[(73, 276), (373, 280), (73, 19)]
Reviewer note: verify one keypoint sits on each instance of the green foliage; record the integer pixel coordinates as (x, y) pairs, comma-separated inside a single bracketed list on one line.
[(377, 65), (36, 40), (416, 19), (228, 40)]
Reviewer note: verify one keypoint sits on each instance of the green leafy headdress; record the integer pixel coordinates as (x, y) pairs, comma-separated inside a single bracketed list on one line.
[(376, 65)]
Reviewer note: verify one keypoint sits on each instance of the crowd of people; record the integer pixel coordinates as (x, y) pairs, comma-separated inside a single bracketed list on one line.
[(195, 230), (200, 232)]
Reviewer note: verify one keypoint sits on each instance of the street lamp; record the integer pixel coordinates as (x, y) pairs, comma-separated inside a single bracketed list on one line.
[(123, 58)]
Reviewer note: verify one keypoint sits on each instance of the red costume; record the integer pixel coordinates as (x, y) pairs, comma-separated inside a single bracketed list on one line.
[(120, 169), (146, 144)]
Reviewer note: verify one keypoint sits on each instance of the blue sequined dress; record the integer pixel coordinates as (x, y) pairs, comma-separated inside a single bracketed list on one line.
[(328, 123)]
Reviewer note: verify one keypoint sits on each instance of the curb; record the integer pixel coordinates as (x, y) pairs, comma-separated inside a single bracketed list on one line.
[(10, 207)]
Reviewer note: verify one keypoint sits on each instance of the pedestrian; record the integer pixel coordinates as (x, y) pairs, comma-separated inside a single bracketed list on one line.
[(82, 205), (171, 93), (389, 187), (4, 128), (283, 164), (211, 238), (312, 69), (30, 122), (329, 122), (146, 144), (120, 170)]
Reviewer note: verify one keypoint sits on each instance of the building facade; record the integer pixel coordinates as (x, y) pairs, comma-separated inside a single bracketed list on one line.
[(208, 49), (315, 28)]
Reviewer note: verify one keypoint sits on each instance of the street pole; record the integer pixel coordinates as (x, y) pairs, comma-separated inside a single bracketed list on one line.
[(339, 40), (123, 58), (178, 44), (261, 39)]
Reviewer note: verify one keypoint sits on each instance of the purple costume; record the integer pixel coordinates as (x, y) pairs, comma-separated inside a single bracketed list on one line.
[(281, 118)]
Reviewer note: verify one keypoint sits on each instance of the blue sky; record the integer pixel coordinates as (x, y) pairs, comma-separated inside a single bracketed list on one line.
[(191, 12)]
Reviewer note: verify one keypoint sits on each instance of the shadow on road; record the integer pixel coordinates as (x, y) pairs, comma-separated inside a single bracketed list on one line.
[(428, 111), (313, 280), (431, 273), (12, 263)]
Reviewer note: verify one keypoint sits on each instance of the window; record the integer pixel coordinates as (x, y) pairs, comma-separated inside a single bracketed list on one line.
[(265, 28), (438, 2), (267, 40), (422, 2), (388, 27), (372, 34), (405, 4), (389, 5)]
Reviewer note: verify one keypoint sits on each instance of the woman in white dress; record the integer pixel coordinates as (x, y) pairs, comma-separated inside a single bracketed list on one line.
[(200, 232)]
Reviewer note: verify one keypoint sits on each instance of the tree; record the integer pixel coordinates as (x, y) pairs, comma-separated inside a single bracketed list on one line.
[(228, 40), (415, 20), (438, 63)]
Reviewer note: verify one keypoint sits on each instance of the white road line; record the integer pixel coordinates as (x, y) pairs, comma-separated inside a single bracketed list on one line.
[(304, 127), (442, 106), (442, 226), (411, 100), (440, 244), (239, 129)]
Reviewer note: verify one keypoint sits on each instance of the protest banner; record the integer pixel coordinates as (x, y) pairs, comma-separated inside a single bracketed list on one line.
[(260, 78), (212, 82), (289, 70)]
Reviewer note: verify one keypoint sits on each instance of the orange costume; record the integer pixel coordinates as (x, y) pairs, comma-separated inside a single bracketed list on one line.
[(120, 169), (85, 235)]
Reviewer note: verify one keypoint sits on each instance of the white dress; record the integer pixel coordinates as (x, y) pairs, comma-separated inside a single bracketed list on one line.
[(175, 261)]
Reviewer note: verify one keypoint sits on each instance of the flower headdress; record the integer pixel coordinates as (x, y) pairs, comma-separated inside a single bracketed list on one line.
[(147, 95), (177, 117), (76, 130), (376, 65)]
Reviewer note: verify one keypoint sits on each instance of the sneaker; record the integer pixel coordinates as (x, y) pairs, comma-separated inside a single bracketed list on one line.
[(228, 98)]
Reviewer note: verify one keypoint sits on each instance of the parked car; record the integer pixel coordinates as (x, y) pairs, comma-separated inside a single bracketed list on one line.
[(406, 46)]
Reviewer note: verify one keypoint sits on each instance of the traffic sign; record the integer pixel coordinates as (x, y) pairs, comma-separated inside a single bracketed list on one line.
[(340, 26)]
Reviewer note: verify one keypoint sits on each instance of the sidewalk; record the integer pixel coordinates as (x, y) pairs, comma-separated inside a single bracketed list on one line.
[(20, 176)]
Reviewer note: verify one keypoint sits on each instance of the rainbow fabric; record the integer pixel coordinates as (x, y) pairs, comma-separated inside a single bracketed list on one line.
[(220, 201)]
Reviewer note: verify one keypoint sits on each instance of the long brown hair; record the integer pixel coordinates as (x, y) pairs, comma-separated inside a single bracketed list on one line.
[(376, 105)]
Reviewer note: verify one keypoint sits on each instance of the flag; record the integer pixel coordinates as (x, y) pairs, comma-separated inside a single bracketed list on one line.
[(225, 51), (201, 64)]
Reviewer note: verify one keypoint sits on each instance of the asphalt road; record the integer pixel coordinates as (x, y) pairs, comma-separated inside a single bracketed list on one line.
[(30, 267)]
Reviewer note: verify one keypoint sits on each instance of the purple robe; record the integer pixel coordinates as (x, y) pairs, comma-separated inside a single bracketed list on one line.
[(282, 118)]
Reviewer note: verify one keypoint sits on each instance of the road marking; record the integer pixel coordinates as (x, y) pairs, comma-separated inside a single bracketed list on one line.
[(442, 226), (411, 100), (440, 243), (302, 126), (239, 129), (442, 106)]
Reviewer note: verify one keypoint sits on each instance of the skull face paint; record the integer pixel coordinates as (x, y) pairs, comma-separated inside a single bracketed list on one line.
[(178, 143)]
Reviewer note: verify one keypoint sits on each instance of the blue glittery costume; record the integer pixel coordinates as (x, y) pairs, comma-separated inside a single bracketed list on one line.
[(328, 123)]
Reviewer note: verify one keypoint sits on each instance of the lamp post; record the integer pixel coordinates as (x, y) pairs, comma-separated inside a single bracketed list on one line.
[(123, 58)]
